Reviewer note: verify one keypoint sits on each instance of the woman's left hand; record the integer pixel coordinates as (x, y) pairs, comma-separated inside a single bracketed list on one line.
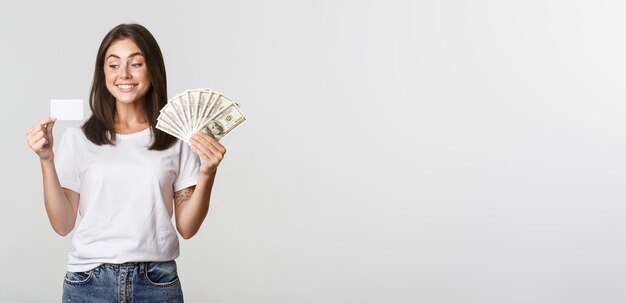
[(211, 151)]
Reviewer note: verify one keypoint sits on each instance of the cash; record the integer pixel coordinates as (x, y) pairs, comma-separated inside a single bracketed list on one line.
[(200, 109)]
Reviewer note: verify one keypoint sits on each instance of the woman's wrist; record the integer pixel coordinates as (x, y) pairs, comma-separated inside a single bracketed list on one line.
[(47, 162), (209, 174)]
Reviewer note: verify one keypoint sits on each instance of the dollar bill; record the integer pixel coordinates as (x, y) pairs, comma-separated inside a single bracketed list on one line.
[(175, 117), (224, 122), (194, 104), (206, 100), (200, 109), (171, 123), (170, 130)]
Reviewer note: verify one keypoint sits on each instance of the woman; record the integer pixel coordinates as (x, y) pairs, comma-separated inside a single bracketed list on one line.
[(122, 174)]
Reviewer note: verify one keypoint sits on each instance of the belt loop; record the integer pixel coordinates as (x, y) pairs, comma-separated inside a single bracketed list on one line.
[(142, 267)]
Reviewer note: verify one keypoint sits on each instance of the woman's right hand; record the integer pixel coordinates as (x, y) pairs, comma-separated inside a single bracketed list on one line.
[(39, 138)]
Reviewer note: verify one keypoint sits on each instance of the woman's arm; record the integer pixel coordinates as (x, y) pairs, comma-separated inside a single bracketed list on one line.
[(61, 204), (192, 203), (192, 206)]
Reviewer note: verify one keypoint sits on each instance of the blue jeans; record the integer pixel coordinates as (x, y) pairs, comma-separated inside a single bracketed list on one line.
[(129, 282)]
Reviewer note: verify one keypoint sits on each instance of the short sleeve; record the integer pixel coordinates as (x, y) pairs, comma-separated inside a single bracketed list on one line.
[(188, 168), (65, 161)]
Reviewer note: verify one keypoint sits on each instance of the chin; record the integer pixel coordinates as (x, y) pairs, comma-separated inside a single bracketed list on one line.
[(129, 98), (126, 100)]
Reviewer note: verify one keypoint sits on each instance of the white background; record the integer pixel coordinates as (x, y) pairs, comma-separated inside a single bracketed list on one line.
[(396, 151)]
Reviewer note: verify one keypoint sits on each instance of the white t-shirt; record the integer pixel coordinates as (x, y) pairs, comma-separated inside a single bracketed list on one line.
[(126, 197)]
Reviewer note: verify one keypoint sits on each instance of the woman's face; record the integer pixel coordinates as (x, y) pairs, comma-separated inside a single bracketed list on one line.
[(125, 71)]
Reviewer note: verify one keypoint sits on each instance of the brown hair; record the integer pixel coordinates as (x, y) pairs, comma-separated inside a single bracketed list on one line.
[(99, 127)]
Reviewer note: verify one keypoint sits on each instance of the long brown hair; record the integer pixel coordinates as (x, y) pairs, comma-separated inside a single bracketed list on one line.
[(99, 127)]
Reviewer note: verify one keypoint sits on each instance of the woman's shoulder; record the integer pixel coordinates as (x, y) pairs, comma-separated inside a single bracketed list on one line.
[(73, 135)]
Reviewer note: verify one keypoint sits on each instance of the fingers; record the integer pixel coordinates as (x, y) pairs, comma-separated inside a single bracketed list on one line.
[(50, 126), (32, 138), (41, 124), (210, 151), (206, 156), (36, 138), (35, 128), (40, 134), (209, 141), (204, 148), (47, 120), (39, 144)]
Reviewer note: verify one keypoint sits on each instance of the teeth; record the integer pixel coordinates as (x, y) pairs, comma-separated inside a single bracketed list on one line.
[(124, 86)]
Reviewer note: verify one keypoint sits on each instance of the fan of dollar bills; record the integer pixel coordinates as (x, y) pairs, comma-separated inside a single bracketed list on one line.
[(199, 110)]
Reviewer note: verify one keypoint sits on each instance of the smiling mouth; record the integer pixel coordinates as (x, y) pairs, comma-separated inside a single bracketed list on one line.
[(126, 87)]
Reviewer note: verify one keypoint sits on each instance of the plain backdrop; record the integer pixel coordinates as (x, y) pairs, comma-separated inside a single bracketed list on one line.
[(396, 151)]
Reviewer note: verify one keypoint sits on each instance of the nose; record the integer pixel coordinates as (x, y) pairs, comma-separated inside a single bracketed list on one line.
[(124, 74)]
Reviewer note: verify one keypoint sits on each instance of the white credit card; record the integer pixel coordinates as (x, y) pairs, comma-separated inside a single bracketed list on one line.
[(66, 109)]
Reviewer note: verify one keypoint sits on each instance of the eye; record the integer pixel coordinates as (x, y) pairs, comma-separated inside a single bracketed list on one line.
[(136, 65), (113, 66)]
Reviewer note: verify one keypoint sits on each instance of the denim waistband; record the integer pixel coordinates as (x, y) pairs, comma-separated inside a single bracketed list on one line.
[(128, 265), (124, 265)]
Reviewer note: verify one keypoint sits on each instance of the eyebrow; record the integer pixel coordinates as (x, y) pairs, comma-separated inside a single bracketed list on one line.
[(118, 57)]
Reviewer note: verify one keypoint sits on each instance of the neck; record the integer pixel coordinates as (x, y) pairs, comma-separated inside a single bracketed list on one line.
[(130, 117)]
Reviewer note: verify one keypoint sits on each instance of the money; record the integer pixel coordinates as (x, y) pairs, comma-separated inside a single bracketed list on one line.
[(200, 109), (224, 122)]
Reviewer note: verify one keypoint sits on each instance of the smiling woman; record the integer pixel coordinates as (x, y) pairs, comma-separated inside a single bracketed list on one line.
[(126, 178), (122, 76), (126, 74)]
